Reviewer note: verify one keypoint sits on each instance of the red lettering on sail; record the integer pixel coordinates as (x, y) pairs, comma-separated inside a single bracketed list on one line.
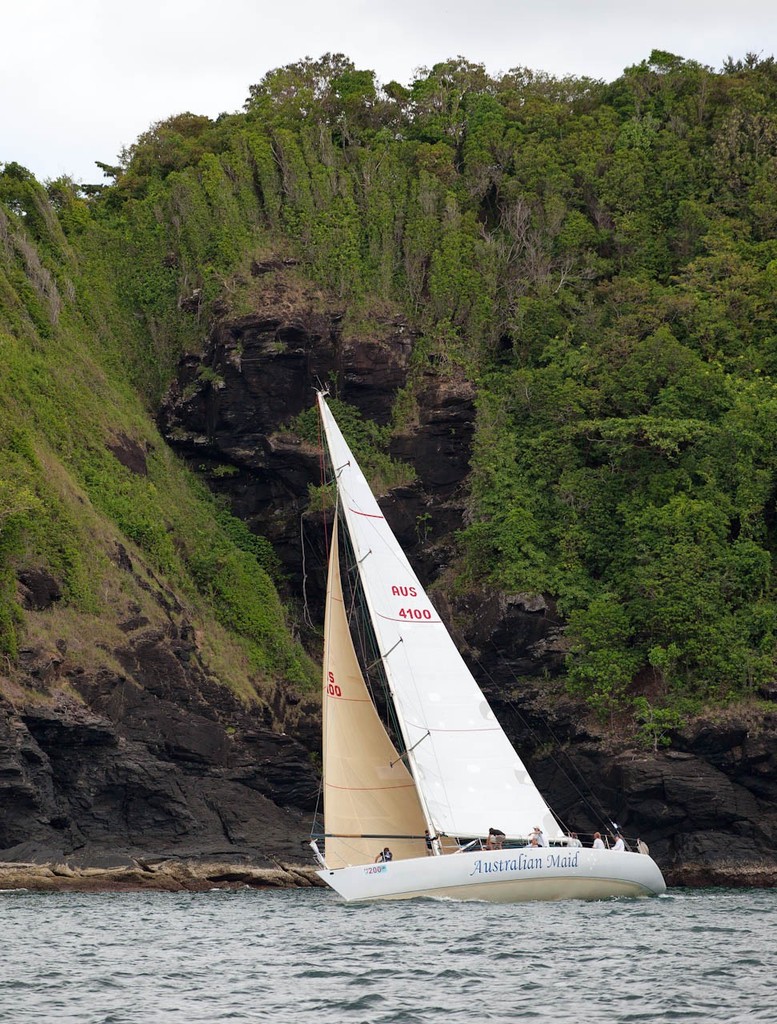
[(415, 613)]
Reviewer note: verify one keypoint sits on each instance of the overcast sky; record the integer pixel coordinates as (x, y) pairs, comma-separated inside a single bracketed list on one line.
[(79, 81)]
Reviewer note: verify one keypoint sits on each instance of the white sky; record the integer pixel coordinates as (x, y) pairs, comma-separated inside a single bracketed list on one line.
[(79, 81)]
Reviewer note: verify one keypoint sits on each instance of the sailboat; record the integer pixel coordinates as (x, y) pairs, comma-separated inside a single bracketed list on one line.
[(411, 818)]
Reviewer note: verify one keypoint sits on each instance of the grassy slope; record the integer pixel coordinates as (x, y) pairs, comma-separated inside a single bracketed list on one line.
[(70, 389)]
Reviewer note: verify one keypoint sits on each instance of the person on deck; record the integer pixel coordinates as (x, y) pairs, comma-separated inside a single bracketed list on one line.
[(597, 843), (539, 835), (573, 840), (495, 840), (430, 840), (384, 856), (619, 844)]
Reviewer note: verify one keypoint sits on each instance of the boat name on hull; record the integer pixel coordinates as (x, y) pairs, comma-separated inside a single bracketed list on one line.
[(525, 862)]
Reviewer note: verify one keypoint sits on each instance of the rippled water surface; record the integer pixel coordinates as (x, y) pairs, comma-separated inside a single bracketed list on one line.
[(142, 958)]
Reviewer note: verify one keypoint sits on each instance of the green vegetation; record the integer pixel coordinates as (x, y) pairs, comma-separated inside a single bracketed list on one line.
[(75, 368), (601, 259), (366, 439)]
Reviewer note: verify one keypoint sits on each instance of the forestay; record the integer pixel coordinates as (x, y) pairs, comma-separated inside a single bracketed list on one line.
[(469, 776)]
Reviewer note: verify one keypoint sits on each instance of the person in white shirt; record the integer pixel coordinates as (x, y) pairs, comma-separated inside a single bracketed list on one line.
[(619, 844), (573, 840), (598, 844), (539, 835)]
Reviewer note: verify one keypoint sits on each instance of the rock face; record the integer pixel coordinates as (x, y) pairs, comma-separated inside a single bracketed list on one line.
[(161, 760), (228, 409), (152, 756)]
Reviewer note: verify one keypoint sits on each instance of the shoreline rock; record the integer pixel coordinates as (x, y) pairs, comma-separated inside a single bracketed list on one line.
[(718, 876), (162, 876)]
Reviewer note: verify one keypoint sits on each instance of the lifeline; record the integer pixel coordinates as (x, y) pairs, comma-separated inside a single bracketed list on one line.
[(525, 863)]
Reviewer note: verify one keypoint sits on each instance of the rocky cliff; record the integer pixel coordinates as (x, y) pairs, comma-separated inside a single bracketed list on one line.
[(156, 757)]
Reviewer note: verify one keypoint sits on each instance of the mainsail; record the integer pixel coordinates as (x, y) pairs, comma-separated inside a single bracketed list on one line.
[(368, 791), (468, 775)]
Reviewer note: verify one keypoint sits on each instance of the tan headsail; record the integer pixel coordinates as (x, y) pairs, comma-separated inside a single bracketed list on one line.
[(363, 793)]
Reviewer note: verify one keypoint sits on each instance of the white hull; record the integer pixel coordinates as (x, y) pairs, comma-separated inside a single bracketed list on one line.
[(503, 876)]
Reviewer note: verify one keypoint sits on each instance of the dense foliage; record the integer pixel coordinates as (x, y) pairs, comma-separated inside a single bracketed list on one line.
[(600, 258)]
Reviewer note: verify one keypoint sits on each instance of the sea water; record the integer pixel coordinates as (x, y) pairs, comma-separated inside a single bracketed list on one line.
[(303, 955)]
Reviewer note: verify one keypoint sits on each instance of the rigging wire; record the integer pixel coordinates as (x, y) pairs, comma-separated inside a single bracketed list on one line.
[(305, 608), (323, 483), (322, 472), (322, 477)]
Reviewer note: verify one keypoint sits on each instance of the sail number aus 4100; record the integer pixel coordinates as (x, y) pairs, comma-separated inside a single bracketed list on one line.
[(414, 613)]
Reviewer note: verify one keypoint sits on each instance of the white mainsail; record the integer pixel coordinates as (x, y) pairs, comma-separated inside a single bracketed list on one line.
[(468, 774), (370, 799)]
